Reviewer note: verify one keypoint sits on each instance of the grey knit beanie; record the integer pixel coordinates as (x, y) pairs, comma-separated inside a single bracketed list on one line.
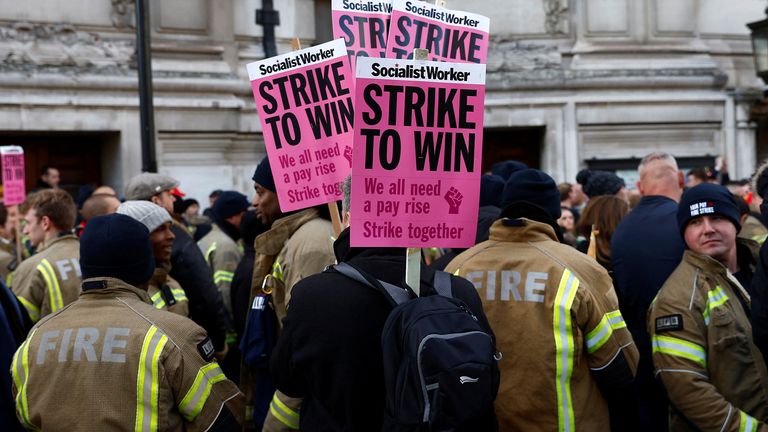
[(146, 212)]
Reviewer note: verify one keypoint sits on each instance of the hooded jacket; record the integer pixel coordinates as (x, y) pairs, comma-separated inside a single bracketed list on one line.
[(330, 350), (296, 246), (715, 377), (557, 323)]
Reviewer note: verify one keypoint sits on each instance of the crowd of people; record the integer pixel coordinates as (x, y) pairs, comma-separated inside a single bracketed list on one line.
[(610, 308)]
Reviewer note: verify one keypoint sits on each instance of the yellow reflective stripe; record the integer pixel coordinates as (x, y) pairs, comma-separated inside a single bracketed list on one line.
[(680, 348), (54, 292), (208, 253), (20, 372), (286, 415), (148, 381), (32, 310), (616, 320), (223, 276), (277, 270), (599, 335), (157, 300), (760, 238), (715, 298), (564, 345), (456, 273), (192, 403), (747, 423), (179, 294)]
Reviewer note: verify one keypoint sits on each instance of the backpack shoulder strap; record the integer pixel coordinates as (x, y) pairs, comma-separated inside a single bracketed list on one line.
[(443, 283), (395, 294)]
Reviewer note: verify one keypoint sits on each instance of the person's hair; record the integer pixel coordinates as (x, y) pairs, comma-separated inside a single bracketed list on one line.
[(605, 212), (44, 170), (565, 190), (57, 205), (346, 187), (3, 214), (652, 157), (96, 205), (215, 193), (699, 173)]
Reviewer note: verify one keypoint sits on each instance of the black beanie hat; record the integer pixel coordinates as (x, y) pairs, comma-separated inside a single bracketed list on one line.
[(707, 199), (263, 175), (491, 187), (535, 187), (602, 183), (116, 246), (505, 169), (582, 177), (229, 203)]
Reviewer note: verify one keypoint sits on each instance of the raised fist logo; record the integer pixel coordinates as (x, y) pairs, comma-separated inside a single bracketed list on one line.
[(454, 198), (348, 155)]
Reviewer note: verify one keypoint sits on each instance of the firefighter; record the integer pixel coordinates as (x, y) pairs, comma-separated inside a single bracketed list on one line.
[(111, 360)]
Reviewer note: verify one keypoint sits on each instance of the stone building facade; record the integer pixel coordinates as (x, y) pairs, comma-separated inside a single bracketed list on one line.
[(571, 84)]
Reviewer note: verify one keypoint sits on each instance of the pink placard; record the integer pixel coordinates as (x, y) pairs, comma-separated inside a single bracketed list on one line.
[(418, 153), (363, 24), (14, 188), (448, 35), (304, 101)]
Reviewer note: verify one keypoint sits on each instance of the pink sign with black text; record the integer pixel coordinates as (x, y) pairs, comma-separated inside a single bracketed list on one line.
[(14, 188), (363, 24), (448, 35), (304, 102), (418, 151)]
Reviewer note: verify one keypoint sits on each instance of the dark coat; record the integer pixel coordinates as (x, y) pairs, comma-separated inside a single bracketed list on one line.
[(759, 293), (645, 248), (330, 350), (14, 325), (240, 290), (190, 270)]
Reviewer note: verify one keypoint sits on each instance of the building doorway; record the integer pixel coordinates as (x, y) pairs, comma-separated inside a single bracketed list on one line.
[(77, 155), (520, 144)]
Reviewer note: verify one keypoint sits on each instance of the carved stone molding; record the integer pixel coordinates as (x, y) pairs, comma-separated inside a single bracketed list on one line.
[(123, 13), (554, 11), (29, 46)]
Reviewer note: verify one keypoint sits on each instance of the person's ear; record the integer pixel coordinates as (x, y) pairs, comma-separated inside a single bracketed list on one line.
[(45, 223), (345, 220)]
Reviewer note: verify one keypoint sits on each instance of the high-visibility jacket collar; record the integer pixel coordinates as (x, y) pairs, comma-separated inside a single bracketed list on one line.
[(48, 243), (272, 241), (112, 287), (527, 231)]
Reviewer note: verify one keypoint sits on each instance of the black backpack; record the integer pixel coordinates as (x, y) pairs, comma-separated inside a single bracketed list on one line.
[(440, 369)]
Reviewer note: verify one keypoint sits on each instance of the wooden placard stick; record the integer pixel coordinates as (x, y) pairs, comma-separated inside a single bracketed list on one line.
[(413, 255), (333, 208)]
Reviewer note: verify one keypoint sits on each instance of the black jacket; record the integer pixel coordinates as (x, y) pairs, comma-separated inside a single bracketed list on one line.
[(190, 270), (240, 289), (759, 312), (330, 350)]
